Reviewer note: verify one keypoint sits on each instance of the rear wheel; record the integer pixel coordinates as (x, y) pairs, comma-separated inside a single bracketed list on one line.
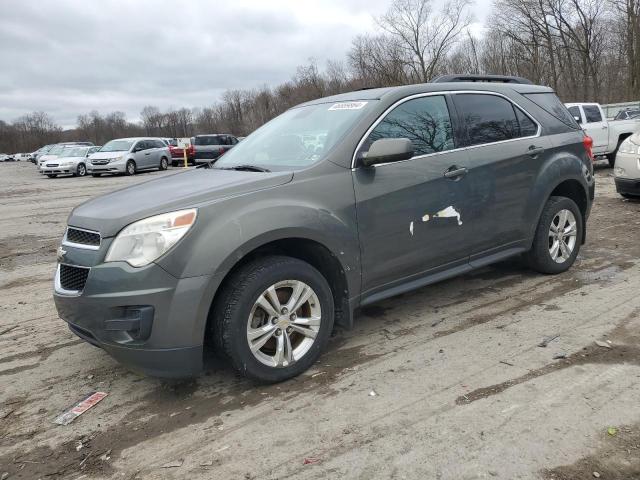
[(164, 164), (273, 318), (81, 171), (131, 168), (558, 237)]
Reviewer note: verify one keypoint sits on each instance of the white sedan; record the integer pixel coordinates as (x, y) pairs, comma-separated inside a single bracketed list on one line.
[(74, 162)]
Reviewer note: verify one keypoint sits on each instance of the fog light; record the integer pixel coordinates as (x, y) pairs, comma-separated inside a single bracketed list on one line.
[(620, 172)]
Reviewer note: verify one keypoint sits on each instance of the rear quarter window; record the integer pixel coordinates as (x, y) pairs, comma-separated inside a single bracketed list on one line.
[(550, 103)]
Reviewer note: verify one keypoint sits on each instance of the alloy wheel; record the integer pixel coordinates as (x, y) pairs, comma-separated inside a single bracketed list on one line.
[(283, 323), (562, 236)]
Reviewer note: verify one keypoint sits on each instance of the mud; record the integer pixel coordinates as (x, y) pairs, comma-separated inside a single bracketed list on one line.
[(428, 356)]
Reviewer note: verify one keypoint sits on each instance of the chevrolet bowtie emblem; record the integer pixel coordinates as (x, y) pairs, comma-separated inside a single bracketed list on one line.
[(60, 254)]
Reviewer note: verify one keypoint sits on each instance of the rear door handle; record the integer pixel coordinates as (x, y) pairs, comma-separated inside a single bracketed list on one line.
[(455, 172), (534, 151)]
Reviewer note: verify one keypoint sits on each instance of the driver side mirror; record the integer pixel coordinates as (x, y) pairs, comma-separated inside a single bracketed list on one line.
[(388, 150)]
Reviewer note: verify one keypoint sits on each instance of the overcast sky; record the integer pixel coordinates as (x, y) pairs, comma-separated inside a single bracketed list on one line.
[(68, 57)]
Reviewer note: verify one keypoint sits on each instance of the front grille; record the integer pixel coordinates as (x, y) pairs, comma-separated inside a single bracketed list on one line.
[(52, 164), (83, 237), (99, 162), (73, 278)]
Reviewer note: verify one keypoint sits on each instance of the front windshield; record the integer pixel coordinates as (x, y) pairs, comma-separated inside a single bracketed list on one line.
[(297, 138), (76, 152), (117, 146), (57, 149)]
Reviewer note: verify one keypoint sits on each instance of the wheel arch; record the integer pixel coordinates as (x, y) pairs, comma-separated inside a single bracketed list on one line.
[(306, 249)]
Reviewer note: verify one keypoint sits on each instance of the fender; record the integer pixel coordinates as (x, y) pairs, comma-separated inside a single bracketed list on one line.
[(556, 170)]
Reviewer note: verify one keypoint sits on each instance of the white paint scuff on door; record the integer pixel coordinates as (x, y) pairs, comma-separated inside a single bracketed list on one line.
[(449, 212), (411, 228)]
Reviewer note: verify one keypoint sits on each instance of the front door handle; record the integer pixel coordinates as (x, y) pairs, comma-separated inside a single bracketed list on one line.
[(534, 151), (148, 153), (454, 172)]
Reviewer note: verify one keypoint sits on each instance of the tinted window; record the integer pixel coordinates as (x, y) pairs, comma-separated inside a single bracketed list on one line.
[(425, 121), (208, 140), (592, 113), (159, 144), (488, 118), (528, 127), (550, 103)]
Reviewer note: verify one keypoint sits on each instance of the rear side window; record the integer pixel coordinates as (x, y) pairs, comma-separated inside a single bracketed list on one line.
[(212, 140), (592, 113), (425, 121), (550, 103), (488, 118)]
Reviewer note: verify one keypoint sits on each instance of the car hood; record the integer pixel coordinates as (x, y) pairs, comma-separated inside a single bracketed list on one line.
[(109, 213), (105, 155), (48, 157)]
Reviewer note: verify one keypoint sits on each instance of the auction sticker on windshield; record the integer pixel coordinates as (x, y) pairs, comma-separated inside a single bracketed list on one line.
[(347, 106)]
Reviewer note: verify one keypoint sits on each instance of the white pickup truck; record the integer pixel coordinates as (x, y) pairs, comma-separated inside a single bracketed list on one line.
[(607, 135)]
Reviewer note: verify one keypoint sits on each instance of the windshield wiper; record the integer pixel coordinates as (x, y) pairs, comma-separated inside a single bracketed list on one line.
[(246, 168)]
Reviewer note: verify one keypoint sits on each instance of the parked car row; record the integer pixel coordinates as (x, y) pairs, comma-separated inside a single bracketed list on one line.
[(127, 155), (14, 157)]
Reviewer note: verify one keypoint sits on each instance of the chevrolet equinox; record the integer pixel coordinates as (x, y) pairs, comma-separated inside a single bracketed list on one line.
[(258, 256)]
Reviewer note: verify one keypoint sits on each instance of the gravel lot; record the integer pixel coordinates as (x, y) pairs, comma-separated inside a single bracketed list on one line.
[(447, 382)]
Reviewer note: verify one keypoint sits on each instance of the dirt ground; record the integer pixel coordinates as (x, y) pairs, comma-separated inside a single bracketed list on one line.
[(447, 382)]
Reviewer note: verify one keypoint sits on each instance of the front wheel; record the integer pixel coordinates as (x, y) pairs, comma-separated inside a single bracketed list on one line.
[(81, 171), (273, 318), (558, 237), (164, 164), (131, 168)]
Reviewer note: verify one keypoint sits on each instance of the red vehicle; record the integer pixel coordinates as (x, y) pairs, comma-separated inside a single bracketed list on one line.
[(177, 153)]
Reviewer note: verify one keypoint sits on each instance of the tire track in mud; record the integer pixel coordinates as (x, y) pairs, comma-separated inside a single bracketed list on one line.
[(619, 353)]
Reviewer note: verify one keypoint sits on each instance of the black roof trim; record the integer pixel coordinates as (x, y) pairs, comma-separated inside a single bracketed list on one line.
[(481, 78)]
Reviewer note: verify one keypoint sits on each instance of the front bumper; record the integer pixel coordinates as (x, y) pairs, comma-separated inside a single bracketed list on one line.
[(628, 186), (111, 167), (627, 173), (58, 170), (144, 317)]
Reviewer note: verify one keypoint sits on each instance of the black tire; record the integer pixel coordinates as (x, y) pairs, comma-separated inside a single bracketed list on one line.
[(51, 175), (164, 164), (81, 171), (174, 163), (96, 174), (611, 157), (539, 258), (130, 169), (233, 308)]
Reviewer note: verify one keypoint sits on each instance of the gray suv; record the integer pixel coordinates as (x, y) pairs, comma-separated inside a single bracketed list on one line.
[(259, 256)]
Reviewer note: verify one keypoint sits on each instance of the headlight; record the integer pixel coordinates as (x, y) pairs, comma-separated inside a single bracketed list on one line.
[(144, 241), (629, 147)]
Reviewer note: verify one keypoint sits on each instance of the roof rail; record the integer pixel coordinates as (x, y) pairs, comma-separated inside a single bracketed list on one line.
[(481, 78)]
